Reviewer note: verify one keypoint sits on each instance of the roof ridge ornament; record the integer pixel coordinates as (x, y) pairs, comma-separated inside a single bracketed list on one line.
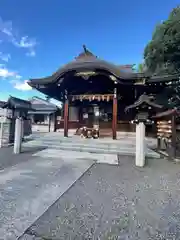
[(86, 53), (85, 48)]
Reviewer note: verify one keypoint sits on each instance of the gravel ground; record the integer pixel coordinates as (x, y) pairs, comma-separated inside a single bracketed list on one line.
[(9, 159), (116, 202)]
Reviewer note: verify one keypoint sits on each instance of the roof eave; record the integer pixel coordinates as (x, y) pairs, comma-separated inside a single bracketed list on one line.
[(81, 66)]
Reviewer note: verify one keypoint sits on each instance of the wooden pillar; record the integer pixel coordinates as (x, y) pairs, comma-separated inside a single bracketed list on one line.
[(55, 122), (172, 150), (114, 115), (66, 113)]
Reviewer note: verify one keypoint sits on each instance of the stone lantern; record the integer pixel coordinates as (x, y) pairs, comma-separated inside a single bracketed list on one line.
[(19, 109), (144, 108)]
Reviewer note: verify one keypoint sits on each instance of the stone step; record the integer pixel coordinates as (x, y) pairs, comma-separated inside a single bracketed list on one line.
[(77, 155), (93, 144), (100, 149)]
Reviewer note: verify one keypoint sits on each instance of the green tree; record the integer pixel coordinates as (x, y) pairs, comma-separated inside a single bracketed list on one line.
[(162, 53), (141, 67)]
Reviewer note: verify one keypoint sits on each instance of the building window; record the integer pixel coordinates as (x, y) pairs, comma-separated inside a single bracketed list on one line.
[(39, 118)]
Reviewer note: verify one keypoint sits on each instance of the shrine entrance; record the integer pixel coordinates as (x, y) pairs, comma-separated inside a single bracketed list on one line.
[(94, 111)]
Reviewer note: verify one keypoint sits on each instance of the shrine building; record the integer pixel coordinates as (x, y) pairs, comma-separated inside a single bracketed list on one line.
[(95, 93)]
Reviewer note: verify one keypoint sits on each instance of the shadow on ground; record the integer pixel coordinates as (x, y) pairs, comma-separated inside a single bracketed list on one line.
[(9, 159)]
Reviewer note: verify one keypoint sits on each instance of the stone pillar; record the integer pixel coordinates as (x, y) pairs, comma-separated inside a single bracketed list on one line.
[(1, 134), (140, 144), (22, 131), (49, 122), (18, 136)]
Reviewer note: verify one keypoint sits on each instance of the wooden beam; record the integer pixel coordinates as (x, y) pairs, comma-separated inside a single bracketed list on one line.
[(114, 118), (66, 113), (172, 150), (55, 121)]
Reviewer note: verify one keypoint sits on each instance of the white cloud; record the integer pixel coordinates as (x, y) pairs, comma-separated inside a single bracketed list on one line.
[(14, 79), (26, 42), (6, 28), (22, 86), (5, 57), (18, 76), (31, 53), (5, 73)]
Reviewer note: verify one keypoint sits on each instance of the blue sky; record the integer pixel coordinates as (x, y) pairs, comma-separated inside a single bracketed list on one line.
[(37, 37)]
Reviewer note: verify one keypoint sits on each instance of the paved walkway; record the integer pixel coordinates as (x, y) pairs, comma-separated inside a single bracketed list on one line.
[(8, 158), (116, 202), (30, 187), (30, 183)]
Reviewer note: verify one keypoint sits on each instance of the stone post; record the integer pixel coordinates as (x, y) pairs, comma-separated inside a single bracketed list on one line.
[(1, 134), (49, 122), (140, 144), (18, 136)]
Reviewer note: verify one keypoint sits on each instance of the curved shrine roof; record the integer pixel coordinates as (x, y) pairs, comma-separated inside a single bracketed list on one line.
[(89, 62), (86, 61)]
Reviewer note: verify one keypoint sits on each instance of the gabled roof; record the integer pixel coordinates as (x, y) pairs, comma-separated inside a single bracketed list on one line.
[(144, 99), (163, 78), (167, 113), (17, 103), (2, 103), (40, 104)]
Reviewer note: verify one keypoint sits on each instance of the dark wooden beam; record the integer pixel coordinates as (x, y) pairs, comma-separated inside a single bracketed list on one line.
[(66, 115), (114, 118), (55, 121), (172, 150)]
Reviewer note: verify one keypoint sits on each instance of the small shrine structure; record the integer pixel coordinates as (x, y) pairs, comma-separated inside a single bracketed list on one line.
[(143, 109)]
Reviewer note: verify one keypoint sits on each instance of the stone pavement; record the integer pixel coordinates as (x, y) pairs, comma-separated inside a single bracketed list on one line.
[(125, 145), (8, 158), (116, 202), (28, 188)]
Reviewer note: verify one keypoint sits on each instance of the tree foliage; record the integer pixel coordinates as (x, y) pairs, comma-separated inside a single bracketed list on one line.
[(162, 53), (141, 67)]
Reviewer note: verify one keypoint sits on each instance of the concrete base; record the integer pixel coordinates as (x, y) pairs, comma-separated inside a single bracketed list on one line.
[(77, 155)]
